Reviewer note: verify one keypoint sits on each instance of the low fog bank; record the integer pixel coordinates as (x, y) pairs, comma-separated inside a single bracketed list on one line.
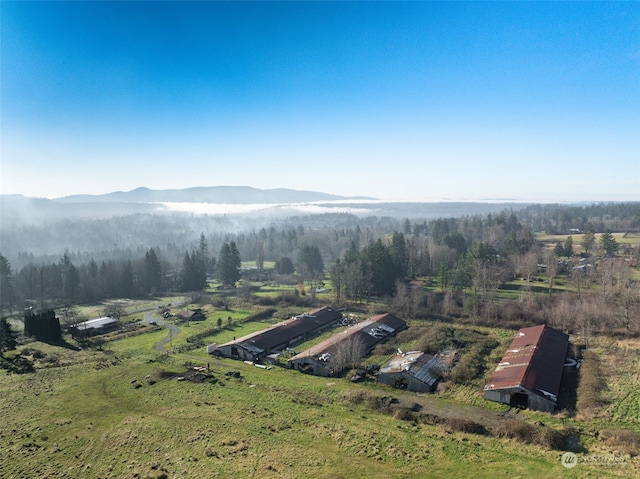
[(40, 230)]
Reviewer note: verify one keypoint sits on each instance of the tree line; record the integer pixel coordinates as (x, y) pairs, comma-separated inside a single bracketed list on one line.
[(468, 258)]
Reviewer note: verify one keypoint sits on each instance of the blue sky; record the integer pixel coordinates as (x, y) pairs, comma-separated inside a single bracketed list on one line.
[(417, 100)]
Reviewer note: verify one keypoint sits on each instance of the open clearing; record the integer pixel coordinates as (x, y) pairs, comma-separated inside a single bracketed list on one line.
[(123, 412)]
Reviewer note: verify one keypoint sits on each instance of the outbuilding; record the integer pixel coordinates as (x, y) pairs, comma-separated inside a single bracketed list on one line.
[(339, 351), (94, 327), (256, 346), (530, 372), (413, 370)]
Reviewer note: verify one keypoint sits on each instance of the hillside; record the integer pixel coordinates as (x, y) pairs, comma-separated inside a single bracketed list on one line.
[(125, 410), (207, 194)]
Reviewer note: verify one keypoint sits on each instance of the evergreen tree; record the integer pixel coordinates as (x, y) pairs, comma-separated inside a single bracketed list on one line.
[(192, 274), (352, 254), (229, 264), (151, 280), (609, 244), (558, 250), (457, 242), (6, 285), (378, 265), (310, 264), (400, 254), (284, 266), (568, 247), (203, 253), (70, 279), (127, 284), (7, 336), (44, 326)]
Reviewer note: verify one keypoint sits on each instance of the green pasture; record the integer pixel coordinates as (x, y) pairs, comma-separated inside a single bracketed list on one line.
[(131, 418), (120, 411)]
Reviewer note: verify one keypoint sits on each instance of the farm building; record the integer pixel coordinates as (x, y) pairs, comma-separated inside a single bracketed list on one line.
[(338, 351), (94, 327), (191, 315), (255, 346), (530, 372), (414, 370)]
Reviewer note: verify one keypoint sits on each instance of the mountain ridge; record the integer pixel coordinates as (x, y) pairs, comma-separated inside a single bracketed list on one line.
[(208, 194)]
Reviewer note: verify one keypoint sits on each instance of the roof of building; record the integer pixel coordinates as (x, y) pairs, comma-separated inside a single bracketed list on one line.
[(370, 332), (421, 366), (190, 313), (267, 339), (534, 361), (96, 323)]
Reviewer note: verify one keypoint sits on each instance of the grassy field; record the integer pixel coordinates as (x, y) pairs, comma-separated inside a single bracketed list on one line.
[(549, 241), (122, 412)]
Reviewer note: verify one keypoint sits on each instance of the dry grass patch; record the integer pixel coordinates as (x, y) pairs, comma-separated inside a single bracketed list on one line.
[(622, 440)]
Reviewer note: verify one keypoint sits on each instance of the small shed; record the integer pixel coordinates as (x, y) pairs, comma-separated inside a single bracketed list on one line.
[(413, 370), (192, 315), (530, 371)]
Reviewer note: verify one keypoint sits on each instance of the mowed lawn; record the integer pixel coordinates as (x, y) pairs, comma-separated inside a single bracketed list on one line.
[(123, 413)]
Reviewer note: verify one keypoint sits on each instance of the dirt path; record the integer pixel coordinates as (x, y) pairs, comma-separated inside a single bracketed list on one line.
[(448, 409), (173, 330)]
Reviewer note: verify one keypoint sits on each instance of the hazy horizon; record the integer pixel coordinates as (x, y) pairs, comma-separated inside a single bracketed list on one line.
[(416, 101)]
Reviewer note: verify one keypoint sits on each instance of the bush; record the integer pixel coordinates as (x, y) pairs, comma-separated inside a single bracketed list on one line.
[(464, 425), (517, 429), (404, 414), (472, 364), (17, 365), (37, 354), (541, 435), (371, 401)]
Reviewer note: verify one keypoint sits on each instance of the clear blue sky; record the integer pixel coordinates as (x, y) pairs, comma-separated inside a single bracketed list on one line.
[(419, 100)]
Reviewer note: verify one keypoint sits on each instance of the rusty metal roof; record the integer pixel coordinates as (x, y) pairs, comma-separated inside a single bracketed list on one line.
[(288, 330), (422, 366), (370, 332), (534, 361)]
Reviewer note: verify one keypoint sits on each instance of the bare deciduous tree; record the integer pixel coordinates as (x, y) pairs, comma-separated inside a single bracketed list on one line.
[(347, 353)]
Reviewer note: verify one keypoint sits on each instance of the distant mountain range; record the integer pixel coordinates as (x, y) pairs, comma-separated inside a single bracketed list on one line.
[(208, 194), (222, 200), (22, 209)]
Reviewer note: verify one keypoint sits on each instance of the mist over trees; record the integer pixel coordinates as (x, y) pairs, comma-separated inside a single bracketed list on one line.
[(466, 260)]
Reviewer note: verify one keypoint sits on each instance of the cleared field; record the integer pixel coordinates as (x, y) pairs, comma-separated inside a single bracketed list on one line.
[(125, 412), (89, 421)]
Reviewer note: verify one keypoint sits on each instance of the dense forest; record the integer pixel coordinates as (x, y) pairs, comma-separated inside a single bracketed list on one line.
[(451, 266)]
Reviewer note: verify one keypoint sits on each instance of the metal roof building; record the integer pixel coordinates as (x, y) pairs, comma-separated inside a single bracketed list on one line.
[(368, 333), (94, 326), (413, 370), (255, 346), (530, 371)]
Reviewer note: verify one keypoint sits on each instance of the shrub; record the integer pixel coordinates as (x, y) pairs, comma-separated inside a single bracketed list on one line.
[(37, 354), (464, 425), (556, 439), (517, 429), (371, 401), (530, 434), (404, 414), (472, 364)]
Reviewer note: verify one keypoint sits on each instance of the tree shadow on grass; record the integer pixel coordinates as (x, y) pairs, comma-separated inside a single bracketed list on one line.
[(62, 343)]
